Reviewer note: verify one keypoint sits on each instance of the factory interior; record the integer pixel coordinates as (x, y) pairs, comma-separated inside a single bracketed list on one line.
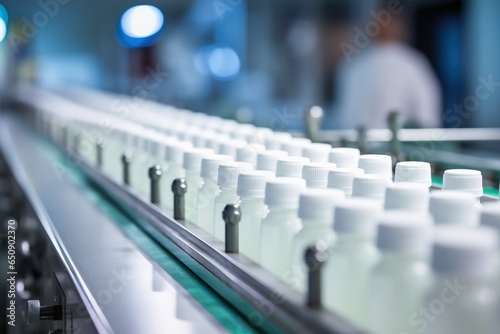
[(250, 166)]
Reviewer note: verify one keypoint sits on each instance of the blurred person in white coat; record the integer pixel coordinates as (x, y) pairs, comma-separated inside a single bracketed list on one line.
[(382, 74)]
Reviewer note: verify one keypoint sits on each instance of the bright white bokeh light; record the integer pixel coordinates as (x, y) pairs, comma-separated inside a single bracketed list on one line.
[(3, 30), (141, 21), (224, 63)]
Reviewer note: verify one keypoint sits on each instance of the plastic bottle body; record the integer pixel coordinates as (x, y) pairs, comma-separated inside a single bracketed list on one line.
[(346, 275), (252, 212), (310, 233), (194, 182), (205, 205), (396, 276), (140, 166), (459, 306), (276, 239), (224, 197)]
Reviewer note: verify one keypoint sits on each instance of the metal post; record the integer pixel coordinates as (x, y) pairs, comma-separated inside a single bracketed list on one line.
[(179, 188), (313, 119), (395, 121), (154, 176), (232, 216), (126, 161), (315, 256), (99, 147), (362, 139)]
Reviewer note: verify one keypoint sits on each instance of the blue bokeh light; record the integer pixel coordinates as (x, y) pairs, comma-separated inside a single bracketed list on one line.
[(140, 26)]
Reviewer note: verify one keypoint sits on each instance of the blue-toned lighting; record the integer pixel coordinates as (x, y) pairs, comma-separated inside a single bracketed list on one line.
[(4, 20), (224, 63), (3, 30), (140, 25)]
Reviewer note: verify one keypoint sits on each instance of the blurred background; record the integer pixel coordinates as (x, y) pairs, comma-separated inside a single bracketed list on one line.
[(260, 60)]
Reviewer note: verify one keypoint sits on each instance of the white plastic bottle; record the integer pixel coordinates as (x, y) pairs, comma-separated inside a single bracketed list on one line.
[(414, 171), (370, 186), (227, 181), (407, 196), (194, 180), (463, 297), (290, 166), (317, 152), (267, 160), (490, 215), (280, 224), (295, 146), (251, 190), (315, 220), (231, 147), (400, 279), (209, 190), (466, 180), (376, 164), (316, 174), (276, 140), (352, 257), (342, 178), (453, 208), (249, 153), (138, 170), (174, 155), (345, 157)]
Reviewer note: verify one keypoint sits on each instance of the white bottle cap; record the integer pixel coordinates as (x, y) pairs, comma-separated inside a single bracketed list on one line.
[(252, 184), (345, 157), (227, 176), (453, 207), (490, 215), (193, 157), (376, 164), (278, 138), (404, 232), (201, 139), (467, 180), (371, 186), (259, 136), (248, 153), (267, 160), (153, 147), (295, 146), (290, 166), (284, 192), (357, 216), (175, 151), (413, 171), (342, 178), (230, 147), (316, 174), (407, 196), (215, 142), (318, 204), (317, 152), (465, 252), (210, 165)]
